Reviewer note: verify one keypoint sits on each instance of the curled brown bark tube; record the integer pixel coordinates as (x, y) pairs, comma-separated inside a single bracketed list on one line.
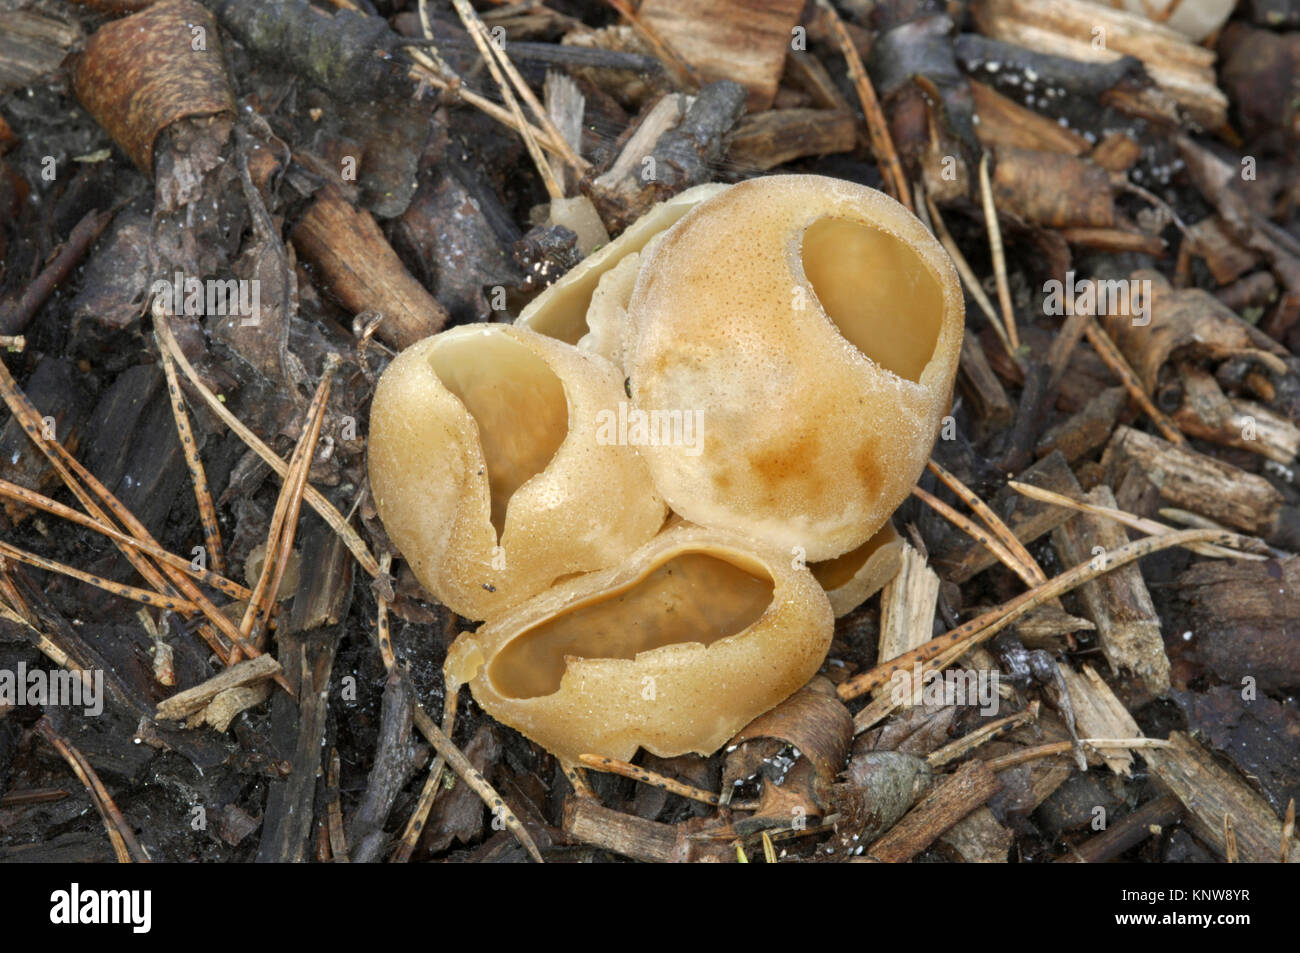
[(140, 74)]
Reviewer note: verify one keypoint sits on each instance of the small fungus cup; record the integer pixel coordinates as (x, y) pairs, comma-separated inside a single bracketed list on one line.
[(487, 470), (675, 650), (812, 326)]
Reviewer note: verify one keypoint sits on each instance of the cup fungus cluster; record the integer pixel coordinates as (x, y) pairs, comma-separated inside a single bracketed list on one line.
[(638, 589)]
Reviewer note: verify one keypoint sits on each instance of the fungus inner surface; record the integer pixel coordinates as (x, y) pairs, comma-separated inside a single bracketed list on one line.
[(877, 291), (691, 597), (518, 403), (833, 573)]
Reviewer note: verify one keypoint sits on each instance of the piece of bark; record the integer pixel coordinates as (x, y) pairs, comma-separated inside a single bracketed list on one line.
[(116, 280), (778, 136), (741, 40), (242, 673), (1260, 736), (457, 815), (1090, 428), (358, 265), (1208, 414), (979, 838), (1253, 291), (1242, 617), (393, 766), (1099, 714), (590, 822), (458, 239), (951, 799), (140, 74), (298, 734), (1210, 793), (1226, 258), (32, 45), (1118, 602), (324, 590), (347, 53), (1004, 122), (980, 386), (1027, 519), (805, 71), (1193, 481), (1259, 67), (1049, 188), (1220, 182), (133, 448)]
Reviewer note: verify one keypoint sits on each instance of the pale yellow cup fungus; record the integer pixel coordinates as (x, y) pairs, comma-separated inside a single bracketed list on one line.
[(487, 470)]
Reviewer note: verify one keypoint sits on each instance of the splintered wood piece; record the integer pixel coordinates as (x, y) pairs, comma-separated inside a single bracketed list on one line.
[(907, 606), (951, 799), (1212, 794), (221, 711), (1048, 188), (1099, 714), (361, 269), (1119, 604), (1085, 431), (1193, 481), (740, 40), (186, 703)]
